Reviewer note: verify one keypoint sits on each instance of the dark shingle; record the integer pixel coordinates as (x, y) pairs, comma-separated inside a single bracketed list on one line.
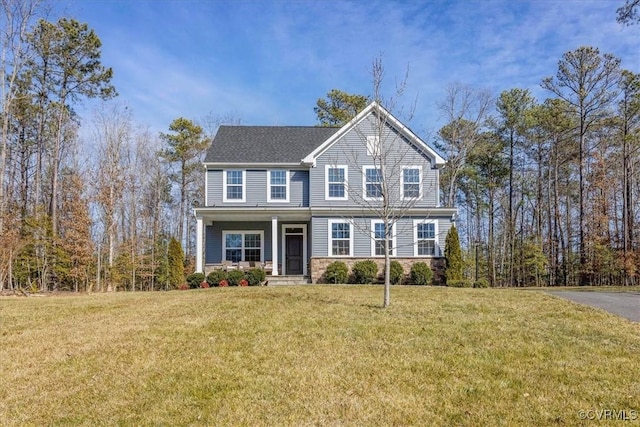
[(266, 144)]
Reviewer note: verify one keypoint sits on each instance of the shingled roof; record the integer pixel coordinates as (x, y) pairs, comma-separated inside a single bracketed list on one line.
[(266, 144)]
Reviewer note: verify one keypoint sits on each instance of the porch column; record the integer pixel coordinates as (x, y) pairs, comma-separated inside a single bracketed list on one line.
[(274, 245), (199, 245)]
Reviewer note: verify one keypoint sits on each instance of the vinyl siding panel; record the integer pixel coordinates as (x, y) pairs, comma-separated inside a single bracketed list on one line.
[(299, 188), (213, 243), (256, 188), (350, 150), (362, 235)]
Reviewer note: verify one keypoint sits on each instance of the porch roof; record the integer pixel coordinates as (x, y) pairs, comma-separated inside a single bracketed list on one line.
[(252, 214)]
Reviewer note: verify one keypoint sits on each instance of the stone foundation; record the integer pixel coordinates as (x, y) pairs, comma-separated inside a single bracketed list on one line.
[(318, 265)]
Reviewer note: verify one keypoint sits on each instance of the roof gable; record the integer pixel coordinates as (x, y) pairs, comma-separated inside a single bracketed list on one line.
[(266, 144), (390, 120)]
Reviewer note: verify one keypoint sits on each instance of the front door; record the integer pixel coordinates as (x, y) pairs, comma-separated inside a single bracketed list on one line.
[(294, 254)]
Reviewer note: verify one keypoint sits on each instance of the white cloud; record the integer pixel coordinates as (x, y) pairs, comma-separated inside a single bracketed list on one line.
[(269, 62)]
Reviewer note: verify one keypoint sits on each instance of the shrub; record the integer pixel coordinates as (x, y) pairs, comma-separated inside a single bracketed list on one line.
[(255, 276), (462, 283), (223, 283), (243, 282), (194, 280), (234, 277), (175, 260), (364, 271), (421, 273), (183, 287), (453, 256), (216, 276), (396, 275), (336, 272), (204, 284), (481, 283)]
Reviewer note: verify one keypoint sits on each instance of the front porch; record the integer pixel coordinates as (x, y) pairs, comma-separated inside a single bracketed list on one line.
[(238, 239)]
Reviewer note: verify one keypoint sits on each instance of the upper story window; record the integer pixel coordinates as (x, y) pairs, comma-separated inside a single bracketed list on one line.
[(379, 234), (372, 183), (336, 182), (340, 238), (278, 188), (234, 186), (411, 185), (424, 237)]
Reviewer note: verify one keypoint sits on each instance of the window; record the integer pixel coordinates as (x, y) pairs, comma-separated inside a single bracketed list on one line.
[(373, 146), (340, 238), (372, 183), (424, 237), (278, 190), (336, 183), (411, 182), (233, 186), (242, 245), (378, 235)]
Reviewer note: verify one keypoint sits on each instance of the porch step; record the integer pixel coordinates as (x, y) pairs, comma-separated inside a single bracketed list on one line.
[(287, 280)]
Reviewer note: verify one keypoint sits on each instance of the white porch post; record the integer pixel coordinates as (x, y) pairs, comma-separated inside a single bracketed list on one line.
[(274, 245), (199, 245)]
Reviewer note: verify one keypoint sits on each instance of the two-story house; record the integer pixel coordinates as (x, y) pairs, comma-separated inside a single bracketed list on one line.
[(302, 197)]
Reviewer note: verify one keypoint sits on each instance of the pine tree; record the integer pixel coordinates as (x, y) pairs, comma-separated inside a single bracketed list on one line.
[(453, 256)]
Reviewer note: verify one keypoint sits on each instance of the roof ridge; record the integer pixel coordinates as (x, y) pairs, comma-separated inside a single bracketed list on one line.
[(282, 126)]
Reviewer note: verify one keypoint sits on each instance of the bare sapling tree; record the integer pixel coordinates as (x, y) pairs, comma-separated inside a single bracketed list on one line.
[(387, 176)]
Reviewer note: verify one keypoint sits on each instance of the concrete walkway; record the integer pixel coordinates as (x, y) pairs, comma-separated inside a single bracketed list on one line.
[(624, 304)]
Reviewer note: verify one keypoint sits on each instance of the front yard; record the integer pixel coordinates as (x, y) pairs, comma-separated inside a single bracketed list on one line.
[(315, 355)]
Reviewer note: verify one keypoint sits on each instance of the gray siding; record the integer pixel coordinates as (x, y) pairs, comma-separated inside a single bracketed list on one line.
[(213, 238), (213, 242), (362, 235), (299, 185), (256, 189), (350, 150)]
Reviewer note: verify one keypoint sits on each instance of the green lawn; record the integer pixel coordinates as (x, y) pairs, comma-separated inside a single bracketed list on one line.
[(314, 355)]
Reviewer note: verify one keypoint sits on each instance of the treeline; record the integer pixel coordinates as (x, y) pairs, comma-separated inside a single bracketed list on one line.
[(548, 191), (102, 209)]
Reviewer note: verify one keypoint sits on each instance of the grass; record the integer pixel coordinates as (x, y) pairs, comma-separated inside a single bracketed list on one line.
[(313, 355)]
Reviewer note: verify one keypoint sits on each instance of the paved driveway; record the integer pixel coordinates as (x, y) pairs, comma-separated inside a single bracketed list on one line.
[(625, 304)]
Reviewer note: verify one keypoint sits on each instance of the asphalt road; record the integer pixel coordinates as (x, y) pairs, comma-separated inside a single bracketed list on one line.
[(624, 304)]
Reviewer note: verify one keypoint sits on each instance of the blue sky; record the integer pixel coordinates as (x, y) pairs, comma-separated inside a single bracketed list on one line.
[(267, 62)]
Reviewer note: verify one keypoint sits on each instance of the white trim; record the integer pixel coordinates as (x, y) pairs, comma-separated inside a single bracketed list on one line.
[(224, 186), (304, 246), (436, 249), (330, 236), (206, 186), (274, 245), (238, 165), (269, 185), (365, 168), (420, 179), (326, 182), (310, 159), (437, 188), (390, 119), (394, 244), (199, 245), (243, 232), (373, 146)]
